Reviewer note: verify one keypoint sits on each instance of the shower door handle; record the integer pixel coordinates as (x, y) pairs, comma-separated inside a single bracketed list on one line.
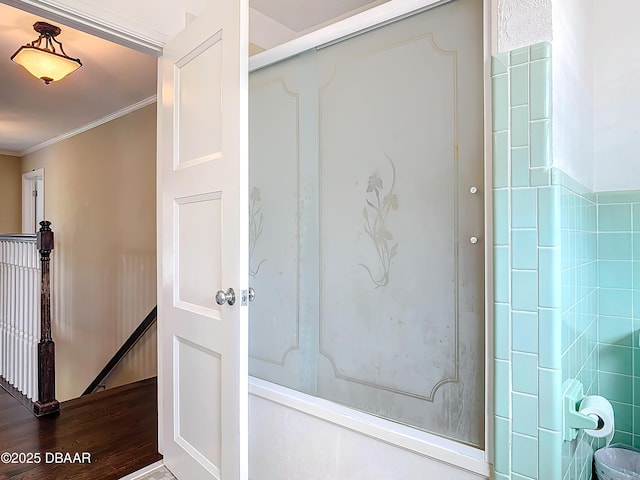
[(247, 296)]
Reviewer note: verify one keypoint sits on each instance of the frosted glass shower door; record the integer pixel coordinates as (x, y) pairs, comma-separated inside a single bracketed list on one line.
[(374, 148)]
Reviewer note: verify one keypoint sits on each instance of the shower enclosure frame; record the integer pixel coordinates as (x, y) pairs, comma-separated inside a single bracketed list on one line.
[(411, 439)]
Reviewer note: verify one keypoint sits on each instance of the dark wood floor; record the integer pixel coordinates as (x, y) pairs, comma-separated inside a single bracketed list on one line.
[(117, 428)]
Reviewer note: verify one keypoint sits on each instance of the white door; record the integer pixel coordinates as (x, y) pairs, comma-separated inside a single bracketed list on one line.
[(32, 200), (203, 224)]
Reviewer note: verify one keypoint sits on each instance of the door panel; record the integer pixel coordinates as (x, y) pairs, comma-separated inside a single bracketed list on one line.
[(198, 81), (204, 246), (196, 274)]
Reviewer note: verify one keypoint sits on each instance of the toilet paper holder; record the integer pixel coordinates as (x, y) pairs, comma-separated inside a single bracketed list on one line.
[(573, 420)]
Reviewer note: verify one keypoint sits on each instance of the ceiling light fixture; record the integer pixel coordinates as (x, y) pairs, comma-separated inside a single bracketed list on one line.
[(42, 61)]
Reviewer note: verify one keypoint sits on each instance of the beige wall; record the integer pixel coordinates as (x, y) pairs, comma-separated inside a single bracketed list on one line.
[(10, 194), (100, 197)]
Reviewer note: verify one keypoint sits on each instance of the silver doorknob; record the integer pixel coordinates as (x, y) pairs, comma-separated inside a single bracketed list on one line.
[(473, 240), (252, 294), (229, 297)]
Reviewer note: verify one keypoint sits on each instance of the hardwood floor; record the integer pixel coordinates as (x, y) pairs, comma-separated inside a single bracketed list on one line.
[(104, 436)]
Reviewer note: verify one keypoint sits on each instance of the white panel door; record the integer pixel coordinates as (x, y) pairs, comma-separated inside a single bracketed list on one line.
[(202, 248)]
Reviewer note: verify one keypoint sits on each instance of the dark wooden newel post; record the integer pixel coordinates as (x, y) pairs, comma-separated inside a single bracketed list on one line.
[(47, 402)]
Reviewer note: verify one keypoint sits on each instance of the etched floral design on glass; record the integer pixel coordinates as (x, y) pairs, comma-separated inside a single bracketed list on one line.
[(256, 219), (378, 205)]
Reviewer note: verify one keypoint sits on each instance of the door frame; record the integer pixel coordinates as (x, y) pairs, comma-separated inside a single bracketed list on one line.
[(118, 29), (30, 202)]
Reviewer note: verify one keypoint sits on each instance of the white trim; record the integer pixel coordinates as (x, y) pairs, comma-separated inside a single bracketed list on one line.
[(385, 13), (144, 471), (29, 203), (120, 113), (106, 24), (489, 12), (423, 443), (10, 154)]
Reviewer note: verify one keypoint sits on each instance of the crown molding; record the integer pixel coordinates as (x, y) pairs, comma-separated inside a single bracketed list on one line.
[(120, 113), (93, 18), (7, 153)]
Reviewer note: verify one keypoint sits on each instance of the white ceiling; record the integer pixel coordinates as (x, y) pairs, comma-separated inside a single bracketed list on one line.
[(112, 78)]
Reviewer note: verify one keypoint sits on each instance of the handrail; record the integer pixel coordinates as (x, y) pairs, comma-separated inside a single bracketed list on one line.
[(124, 349), (18, 237)]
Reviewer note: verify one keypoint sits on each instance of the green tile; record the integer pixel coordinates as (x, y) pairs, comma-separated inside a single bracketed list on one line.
[(623, 414), (502, 389), (540, 176), (520, 167), (636, 217), (501, 217), (549, 216), (541, 142), (519, 85), (636, 303), (525, 373), (549, 454), (615, 359), (549, 277), (540, 51), (615, 246), (615, 303), (540, 89), (519, 56), (524, 249), (501, 159), (502, 476), (524, 290), (502, 454), (500, 63), (568, 288), (500, 102), (636, 246), (636, 274), (622, 437), (615, 331), (525, 414), (502, 347), (636, 419), (524, 208), (501, 274), (515, 476), (549, 339), (550, 399), (627, 196), (615, 274), (523, 459), (520, 127), (525, 332), (614, 218), (617, 388)]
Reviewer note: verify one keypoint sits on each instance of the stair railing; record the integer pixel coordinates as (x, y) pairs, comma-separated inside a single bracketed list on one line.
[(27, 350)]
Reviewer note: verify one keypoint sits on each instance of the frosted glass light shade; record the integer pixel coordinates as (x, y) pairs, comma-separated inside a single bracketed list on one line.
[(45, 65)]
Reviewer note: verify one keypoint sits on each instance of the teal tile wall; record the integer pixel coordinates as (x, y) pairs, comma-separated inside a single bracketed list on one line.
[(618, 223), (527, 257), (566, 285), (578, 302)]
